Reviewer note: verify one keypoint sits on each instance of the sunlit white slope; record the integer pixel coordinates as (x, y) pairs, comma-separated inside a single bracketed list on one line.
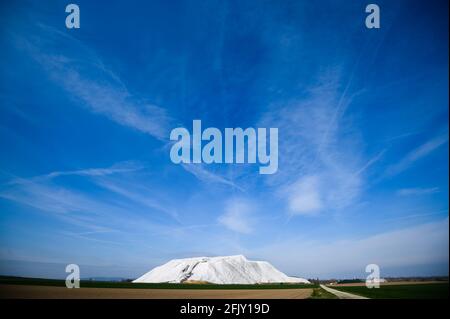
[(218, 270)]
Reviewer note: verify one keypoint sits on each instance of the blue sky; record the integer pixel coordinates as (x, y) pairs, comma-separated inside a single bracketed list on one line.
[(362, 116)]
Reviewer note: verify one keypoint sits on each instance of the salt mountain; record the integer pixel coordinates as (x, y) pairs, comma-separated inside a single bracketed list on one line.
[(217, 270)]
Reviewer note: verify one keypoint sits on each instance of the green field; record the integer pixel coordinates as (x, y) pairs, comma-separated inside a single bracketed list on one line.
[(412, 291), (110, 284)]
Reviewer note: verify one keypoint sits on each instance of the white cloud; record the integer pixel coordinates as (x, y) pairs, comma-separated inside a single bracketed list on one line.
[(304, 197), (238, 216)]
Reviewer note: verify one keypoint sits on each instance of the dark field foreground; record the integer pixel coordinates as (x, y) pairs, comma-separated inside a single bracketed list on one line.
[(52, 292), (17, 287), (400, 291)]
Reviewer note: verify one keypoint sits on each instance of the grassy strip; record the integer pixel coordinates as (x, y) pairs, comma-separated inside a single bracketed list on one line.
[(319, 293), (419, 291), (108, 284)]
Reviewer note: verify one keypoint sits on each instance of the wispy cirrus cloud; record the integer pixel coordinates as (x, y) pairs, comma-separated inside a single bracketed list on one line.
[(117, 168), (86, 78), (417, 191), (90, 211), (86, 211), (137, 194), (417, 154), (205, 175), (50, 198), (321, 165)]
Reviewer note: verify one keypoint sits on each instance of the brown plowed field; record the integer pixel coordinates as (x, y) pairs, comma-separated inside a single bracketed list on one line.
[(48, 292)]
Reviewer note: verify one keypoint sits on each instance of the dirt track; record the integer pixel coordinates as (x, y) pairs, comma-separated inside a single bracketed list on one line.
[(342, 294), (47, 292)]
